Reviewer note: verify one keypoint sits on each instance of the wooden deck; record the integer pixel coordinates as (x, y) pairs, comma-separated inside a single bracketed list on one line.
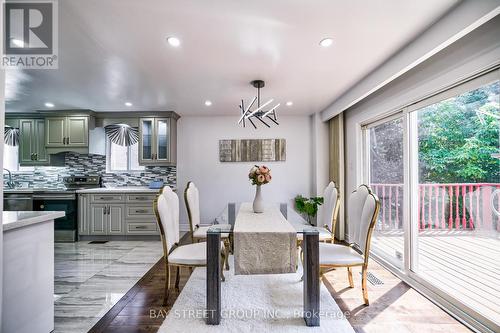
[(464, 264)]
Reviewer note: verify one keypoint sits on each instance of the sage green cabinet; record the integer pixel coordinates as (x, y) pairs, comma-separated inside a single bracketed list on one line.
[(157, 141), (98, 219), (116, 214), (106, 219), (69, 131), (31, 142)]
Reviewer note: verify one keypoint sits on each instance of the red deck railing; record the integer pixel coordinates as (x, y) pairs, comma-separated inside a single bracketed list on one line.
[(464, 206)]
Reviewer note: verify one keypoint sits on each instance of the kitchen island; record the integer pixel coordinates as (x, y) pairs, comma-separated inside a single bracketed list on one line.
[(28, 271)]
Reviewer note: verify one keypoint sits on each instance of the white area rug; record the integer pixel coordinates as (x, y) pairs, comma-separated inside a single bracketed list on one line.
[(252, 303)]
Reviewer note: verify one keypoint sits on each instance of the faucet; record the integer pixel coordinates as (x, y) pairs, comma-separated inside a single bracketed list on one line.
[(10, 183)]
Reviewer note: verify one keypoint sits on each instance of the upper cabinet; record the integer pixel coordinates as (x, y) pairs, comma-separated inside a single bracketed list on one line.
[(158, 141), (67, 132), (31, 142)]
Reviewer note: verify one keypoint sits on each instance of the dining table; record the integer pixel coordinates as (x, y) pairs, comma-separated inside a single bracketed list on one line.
[(264, 243)]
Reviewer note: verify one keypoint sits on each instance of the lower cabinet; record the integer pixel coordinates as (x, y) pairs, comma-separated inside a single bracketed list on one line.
[(116, 219), (98, 219), (105, 214)]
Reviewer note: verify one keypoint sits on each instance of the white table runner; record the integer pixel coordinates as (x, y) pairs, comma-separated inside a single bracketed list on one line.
[(264, 243)]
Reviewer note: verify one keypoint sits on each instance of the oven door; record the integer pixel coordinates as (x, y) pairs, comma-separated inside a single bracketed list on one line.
[(65, 227)]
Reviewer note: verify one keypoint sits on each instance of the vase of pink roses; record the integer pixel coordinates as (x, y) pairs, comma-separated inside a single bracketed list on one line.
[(259, 175)]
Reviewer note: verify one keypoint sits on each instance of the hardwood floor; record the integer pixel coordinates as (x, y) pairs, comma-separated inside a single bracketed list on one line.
[(394, 306)]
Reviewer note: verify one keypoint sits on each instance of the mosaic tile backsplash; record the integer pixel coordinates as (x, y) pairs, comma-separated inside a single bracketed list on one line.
[(81, 164)]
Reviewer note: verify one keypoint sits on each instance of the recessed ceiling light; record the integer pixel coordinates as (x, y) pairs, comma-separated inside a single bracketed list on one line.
[(325, 42), (128, 104), (17, 42), (49, 105), (289, 103), (174, 41), (208, 103)]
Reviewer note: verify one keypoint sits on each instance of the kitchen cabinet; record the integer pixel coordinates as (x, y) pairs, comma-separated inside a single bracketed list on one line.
[(106, 219), (115, 219), (157, 141), (67, 132), (98, 219), (31, 142), (117, 214)]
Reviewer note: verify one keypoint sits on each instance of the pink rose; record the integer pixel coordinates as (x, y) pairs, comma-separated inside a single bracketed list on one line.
[(263, 169), (268, 178), (261, 178)]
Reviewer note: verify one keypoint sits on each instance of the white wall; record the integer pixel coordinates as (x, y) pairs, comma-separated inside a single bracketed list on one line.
[(220, 183), (471, 54)]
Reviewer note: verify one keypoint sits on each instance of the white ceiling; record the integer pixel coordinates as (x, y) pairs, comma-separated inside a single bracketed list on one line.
[(113, 51)]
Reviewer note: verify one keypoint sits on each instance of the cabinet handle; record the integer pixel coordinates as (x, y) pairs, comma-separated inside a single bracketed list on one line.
[(140, 198), (141, 211), (32, 156), (36, 156), (141, 227), (109, 210)]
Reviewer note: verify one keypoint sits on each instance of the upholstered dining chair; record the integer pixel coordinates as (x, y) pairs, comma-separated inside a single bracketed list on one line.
[(363, 210), (327, 214), (198, 233), (166, 207)]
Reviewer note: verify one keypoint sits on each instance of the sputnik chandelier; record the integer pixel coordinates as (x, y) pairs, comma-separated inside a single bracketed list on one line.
[(259, 112)]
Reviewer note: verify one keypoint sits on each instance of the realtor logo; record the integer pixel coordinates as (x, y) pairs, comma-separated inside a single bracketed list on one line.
[(30, 35)]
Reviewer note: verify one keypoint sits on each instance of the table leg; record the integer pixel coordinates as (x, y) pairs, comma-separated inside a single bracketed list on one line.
[(311, 277), (213, 278)]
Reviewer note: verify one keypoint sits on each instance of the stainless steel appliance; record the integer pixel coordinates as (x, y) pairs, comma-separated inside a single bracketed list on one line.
[(65, 200), (17, 201)]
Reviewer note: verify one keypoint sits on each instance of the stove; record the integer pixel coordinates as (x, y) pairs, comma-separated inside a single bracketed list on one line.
[(65, 228)]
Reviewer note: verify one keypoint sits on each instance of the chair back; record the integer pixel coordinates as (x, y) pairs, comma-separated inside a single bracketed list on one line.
[(166, 207), (363, 210), (328, 211), (192, 201)]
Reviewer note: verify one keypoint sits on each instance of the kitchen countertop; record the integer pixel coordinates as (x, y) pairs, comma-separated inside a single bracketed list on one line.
[(124, 189), (14, 220)]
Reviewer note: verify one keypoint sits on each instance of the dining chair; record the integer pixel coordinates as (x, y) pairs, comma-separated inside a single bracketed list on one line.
[(363, 210), (199, 233), (327, 214), (166, 208)]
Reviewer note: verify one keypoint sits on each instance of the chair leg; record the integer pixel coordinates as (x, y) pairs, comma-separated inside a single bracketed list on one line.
[(177, 278), (363, 285), (349, 275), (227, 246), (223, 258), (167, 283)]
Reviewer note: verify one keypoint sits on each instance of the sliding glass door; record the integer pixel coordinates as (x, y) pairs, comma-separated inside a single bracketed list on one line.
[(456, 230), (443, 155), (385, 158)]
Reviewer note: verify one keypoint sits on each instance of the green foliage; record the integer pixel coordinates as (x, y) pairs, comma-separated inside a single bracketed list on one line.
[(458, 136), (308, 206)]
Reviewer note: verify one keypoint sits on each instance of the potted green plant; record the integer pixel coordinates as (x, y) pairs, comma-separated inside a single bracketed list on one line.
[(308, 206)]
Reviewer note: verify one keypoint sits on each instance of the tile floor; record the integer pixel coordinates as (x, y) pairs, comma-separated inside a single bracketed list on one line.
[(91, 278)]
